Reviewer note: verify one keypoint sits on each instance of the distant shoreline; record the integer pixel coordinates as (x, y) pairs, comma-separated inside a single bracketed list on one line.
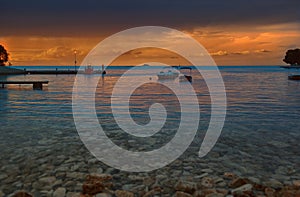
[(15, 70), (16, 66), (4, 70)]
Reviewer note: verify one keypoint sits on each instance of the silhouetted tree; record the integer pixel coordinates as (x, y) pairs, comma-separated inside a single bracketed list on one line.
[(292, 57), (3, 56)]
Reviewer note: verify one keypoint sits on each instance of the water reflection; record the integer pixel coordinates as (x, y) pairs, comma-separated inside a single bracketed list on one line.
[(261, 131)]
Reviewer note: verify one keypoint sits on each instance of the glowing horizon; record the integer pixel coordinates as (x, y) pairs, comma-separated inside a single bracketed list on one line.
[(229, 47)]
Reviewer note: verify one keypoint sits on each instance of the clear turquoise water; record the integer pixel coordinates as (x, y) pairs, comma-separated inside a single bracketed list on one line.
[(260, 135)]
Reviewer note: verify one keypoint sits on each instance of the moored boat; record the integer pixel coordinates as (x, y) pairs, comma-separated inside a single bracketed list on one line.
[(186, 77), (168, 73), (294, 77), (293, 72)]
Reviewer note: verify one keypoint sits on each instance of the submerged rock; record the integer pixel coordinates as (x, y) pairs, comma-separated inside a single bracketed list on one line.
[(243, 188), (153, 192), (47, 180), (21, 194), (207, 170), (102, 195), (96, 184), (238, 182), (182, 194), (123, 193), (296, 183), (270, 192), (215, 195), (204, 192), (128, 187), (184, 186), (274, 184), (60, 192), (207, 182)]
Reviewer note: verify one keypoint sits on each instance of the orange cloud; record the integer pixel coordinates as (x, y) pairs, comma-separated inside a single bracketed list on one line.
[(142, 55), (219, 53), (262, 51), (56, 52), (261, 45), (241, 53)]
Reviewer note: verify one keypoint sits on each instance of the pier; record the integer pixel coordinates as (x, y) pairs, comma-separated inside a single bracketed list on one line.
[(51, 72), (14, 71), (36, 85)]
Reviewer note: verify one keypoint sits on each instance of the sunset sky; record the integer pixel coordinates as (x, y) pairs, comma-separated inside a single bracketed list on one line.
[(235, 32)]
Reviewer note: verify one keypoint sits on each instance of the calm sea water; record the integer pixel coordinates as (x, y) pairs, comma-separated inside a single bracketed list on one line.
[(261, 131)]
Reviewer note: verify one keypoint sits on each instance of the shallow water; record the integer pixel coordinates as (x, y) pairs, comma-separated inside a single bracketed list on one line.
[(260, 137)]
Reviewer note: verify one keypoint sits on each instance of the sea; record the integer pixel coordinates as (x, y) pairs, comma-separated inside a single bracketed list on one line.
[(39, 138)]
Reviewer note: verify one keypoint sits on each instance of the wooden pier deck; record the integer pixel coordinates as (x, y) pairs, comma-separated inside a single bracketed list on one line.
[(36, 85), (52, 72)]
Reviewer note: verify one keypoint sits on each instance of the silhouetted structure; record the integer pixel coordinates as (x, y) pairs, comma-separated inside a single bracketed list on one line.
[(292, 57), (3, 56)]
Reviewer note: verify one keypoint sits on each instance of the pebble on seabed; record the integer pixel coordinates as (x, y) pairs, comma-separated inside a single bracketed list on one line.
[(50, 171)]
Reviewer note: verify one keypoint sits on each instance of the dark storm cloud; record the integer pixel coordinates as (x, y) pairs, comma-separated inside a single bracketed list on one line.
[(87, 17)]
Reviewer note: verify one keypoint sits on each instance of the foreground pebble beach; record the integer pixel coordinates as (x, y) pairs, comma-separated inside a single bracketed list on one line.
[(51, 170), (100, 185)]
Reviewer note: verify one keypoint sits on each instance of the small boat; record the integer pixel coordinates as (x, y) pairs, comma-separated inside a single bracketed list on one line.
[(168, 73), (186, 77), (294, 77)]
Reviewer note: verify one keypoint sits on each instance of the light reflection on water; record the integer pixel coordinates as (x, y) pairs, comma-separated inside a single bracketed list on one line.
[(252, 97), (263, 106)]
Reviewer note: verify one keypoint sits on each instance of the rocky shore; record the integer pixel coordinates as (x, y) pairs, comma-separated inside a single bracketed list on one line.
[(61, 166), (204, 185), (52, 161)]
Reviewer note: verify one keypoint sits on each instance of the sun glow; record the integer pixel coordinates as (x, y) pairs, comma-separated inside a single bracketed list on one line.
[(228, 46)]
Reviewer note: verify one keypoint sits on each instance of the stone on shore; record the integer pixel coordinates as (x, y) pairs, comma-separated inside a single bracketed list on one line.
[(243, 188), (21, 194), (123, 193), (182, 194), (296, 183), (60, 192), (184, 186), (95, 184)]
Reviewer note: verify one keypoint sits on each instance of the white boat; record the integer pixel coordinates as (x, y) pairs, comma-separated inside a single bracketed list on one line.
[(168, 73)]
